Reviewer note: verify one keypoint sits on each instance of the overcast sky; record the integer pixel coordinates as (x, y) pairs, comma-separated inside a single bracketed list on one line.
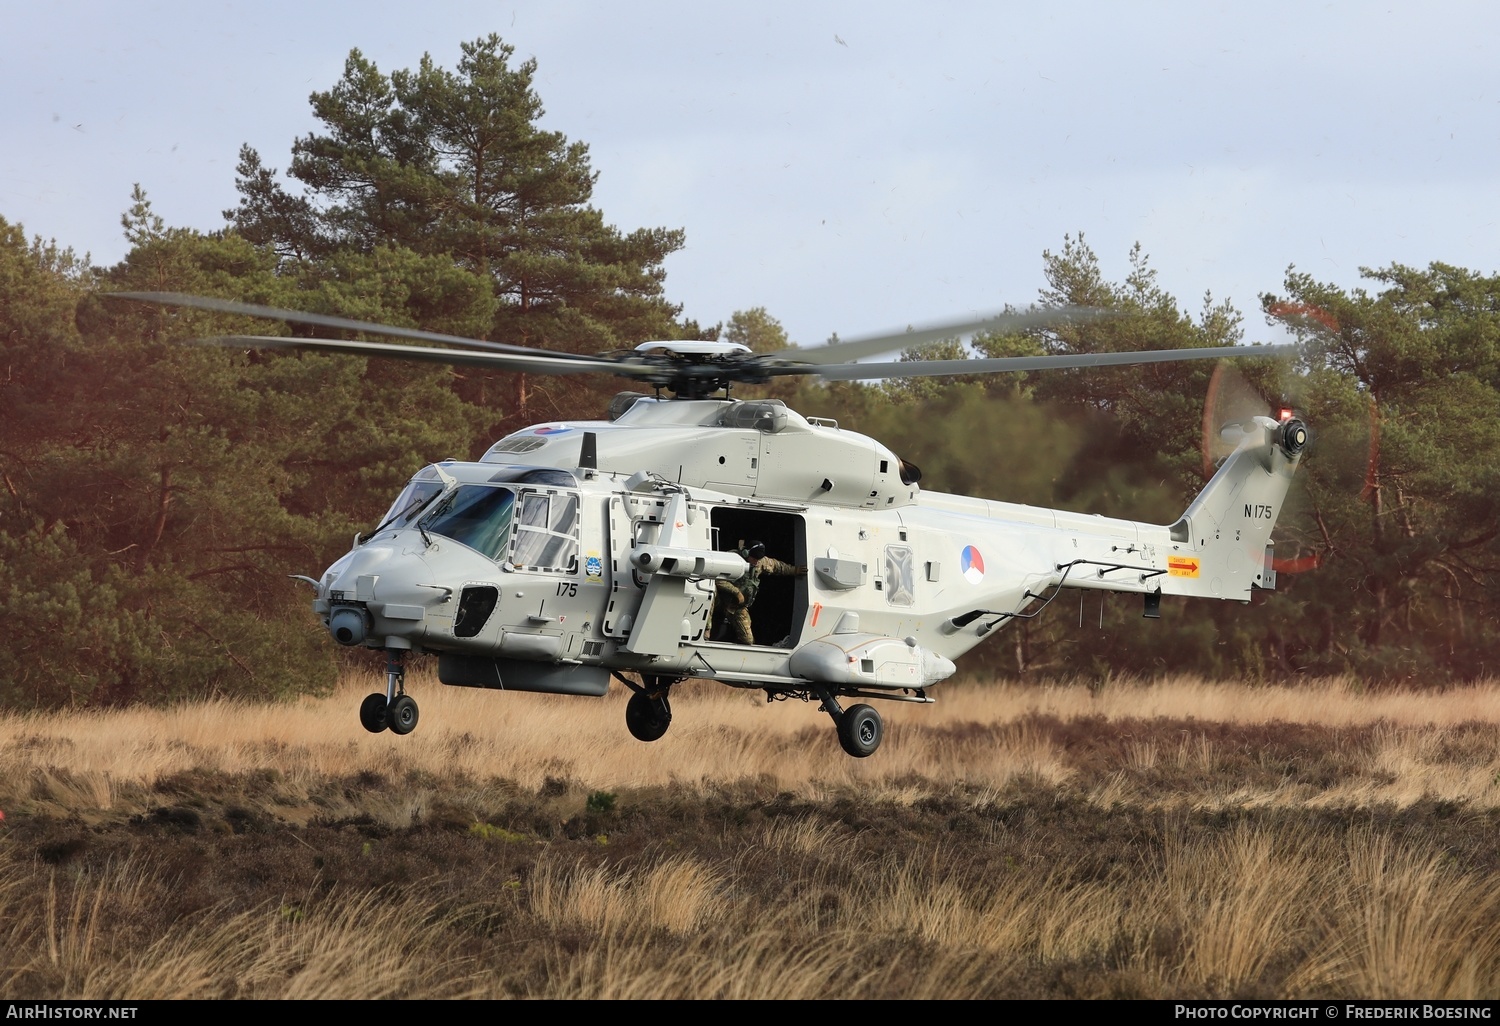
[(852, 167)]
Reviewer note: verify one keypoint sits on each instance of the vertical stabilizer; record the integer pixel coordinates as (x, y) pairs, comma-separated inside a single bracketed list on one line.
[(1226, 531)]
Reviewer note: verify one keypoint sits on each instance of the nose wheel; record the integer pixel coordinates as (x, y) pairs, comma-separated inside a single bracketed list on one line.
[(372, 712), (401, 715), (394, 709)]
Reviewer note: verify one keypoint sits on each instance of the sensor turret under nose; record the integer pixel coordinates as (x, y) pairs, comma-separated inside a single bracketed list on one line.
[(347, 625)]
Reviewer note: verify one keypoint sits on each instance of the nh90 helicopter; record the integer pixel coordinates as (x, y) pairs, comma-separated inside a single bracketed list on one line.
[(575, 552)]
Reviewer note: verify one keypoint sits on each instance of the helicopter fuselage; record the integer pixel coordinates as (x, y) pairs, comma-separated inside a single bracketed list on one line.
[(578, 550)]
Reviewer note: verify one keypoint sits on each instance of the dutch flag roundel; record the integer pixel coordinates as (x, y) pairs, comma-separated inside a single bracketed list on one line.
[(972, 564)]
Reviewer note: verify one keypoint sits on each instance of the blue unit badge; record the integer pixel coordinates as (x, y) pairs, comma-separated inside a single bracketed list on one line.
[(593, 566)]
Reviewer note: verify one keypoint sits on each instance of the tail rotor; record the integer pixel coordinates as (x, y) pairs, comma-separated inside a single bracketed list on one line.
[(1236, 394)]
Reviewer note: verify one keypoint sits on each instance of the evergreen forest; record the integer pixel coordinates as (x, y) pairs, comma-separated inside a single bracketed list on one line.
[(156, 497)]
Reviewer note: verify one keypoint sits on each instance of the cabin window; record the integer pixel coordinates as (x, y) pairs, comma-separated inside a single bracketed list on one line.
[(475, 604), (899, 573), (547, 531)]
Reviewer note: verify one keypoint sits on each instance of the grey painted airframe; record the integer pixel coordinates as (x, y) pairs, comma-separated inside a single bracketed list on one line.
[(579, 552)]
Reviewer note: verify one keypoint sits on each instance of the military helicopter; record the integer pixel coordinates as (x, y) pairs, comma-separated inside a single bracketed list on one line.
[(578, 551)]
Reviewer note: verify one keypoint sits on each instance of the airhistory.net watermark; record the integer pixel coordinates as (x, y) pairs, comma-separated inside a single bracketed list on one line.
[(67, 1010)]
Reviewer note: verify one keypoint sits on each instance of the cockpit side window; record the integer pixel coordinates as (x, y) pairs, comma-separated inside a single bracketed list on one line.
[(547, 531), (478, 516)]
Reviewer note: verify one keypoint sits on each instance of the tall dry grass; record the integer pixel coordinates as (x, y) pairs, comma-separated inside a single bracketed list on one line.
[(984, 734), (1255, 913), (1169, 839), (364, 945)]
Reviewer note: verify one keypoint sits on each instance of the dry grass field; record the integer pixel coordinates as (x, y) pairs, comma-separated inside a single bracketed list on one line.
[(1171, 839)]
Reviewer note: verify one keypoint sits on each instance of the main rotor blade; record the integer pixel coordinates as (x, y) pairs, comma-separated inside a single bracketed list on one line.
[(1012, 364), (531, 361), (327, 321), (873, 345)]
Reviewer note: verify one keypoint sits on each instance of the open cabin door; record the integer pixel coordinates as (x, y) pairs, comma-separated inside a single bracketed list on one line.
[(781, 604)]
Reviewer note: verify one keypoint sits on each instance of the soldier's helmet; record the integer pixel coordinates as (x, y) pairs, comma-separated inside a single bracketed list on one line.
[(755, 550)]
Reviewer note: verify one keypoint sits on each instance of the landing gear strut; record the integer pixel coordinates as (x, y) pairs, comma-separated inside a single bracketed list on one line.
[(860, 728), (395, 708)]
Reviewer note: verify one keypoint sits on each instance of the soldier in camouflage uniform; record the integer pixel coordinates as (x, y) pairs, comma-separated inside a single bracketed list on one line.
[(736, 597)]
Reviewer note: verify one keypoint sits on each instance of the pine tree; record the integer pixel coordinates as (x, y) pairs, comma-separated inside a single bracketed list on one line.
[(455, 165), (1404, 394)]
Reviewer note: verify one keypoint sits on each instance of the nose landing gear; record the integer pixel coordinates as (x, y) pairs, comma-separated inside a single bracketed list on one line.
[(394, 709)]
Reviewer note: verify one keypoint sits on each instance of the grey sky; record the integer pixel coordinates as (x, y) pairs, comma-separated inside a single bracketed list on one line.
[(852, 167)]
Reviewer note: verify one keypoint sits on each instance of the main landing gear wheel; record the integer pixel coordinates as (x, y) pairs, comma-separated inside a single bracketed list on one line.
[(860, 731), (646, 716), (402, 715), (372, 713)]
